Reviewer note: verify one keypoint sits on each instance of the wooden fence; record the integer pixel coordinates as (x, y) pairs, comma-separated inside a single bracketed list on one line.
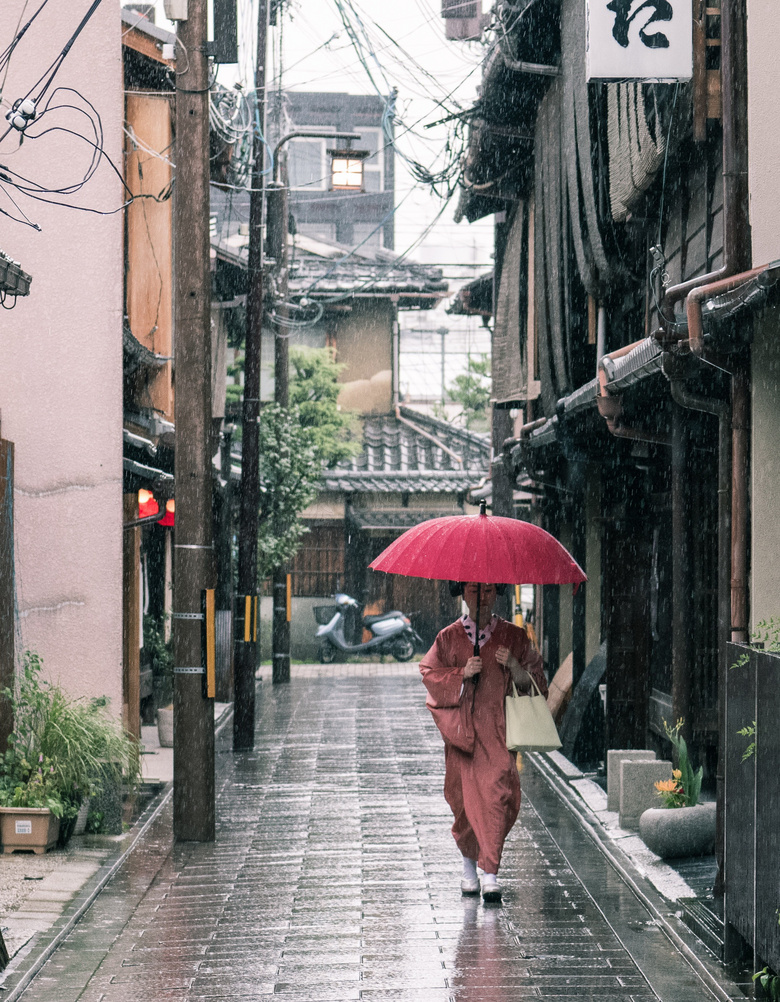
[(752, 801)]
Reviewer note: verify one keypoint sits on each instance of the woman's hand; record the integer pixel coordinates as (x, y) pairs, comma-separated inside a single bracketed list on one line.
[(520, 676), (473, 667)]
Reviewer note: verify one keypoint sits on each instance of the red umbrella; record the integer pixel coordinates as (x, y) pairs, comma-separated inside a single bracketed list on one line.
[(484, 548)]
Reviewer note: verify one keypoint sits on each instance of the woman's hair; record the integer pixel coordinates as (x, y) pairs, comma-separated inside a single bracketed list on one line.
[(456, 588)]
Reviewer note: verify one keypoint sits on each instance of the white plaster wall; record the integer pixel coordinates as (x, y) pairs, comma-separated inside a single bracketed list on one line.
[(763, 134), (61, 361), (764, 174)]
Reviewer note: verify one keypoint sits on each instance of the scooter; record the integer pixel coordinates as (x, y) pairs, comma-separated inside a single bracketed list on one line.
[(391, 632)]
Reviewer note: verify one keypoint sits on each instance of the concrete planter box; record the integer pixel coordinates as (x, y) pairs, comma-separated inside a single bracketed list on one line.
[(671, 832), (165, 726), (30, 828)]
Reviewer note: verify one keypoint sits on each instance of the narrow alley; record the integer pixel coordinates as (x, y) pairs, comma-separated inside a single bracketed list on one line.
[(334, 877)]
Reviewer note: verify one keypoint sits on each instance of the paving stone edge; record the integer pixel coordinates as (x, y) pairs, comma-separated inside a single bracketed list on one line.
[(690, 947), (42, 945)]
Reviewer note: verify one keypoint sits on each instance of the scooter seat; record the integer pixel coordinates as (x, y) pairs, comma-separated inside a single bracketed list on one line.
[(394, 614)]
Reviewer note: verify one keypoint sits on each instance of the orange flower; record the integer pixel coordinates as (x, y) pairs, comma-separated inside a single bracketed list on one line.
[(666, 786), (677, 774)]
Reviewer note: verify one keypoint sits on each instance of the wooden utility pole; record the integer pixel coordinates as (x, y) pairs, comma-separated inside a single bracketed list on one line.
[(193, 713), (277, 245), (248, 600)]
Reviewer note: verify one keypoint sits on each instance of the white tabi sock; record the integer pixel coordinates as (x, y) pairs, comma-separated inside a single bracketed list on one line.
[(489, 879), (469, 868)]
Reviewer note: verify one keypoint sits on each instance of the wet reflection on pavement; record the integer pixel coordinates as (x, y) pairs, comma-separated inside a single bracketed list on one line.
[(334, 877)]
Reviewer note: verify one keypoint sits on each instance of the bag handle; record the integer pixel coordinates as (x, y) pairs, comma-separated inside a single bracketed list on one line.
[(533, 683)]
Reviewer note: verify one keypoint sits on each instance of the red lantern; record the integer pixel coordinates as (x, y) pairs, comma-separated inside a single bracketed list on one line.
[(169, 516), (147, 506)]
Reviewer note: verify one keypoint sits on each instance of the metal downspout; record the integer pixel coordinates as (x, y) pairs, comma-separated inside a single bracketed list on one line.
[(721, 410)]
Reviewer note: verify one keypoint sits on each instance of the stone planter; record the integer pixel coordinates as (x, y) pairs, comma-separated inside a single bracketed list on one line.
[(671, 832), (28, 828), (165, 726)]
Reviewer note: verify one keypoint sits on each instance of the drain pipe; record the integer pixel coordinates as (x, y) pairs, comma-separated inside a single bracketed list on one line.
[(721, 410), (766, 276)]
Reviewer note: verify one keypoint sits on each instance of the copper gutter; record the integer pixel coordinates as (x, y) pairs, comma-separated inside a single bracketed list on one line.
[(610, 406), (697, 296)]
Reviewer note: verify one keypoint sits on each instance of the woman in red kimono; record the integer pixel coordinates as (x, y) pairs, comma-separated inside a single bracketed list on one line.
[(481, 783)]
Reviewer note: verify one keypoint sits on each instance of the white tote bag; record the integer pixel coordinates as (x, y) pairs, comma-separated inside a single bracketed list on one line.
[(529, 723)]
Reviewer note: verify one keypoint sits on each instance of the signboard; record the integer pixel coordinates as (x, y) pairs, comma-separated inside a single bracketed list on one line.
[(639, 40)]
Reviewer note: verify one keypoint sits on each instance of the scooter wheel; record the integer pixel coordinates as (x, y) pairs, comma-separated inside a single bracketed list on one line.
[(327, 653), (403, 649)]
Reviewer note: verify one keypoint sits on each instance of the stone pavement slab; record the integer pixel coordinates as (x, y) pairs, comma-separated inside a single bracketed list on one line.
[(334, 877)]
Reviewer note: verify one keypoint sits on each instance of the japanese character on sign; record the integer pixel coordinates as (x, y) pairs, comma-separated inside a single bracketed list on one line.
[(662, 12)]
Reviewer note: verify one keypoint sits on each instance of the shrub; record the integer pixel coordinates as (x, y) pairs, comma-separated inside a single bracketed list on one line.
[(61, 749)]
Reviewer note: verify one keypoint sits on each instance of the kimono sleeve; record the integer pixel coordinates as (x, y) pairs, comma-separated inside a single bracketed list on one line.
[(444, 682)]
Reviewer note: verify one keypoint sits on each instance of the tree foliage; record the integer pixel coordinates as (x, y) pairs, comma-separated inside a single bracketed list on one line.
[(471, 389), (289, 471), (296, 444), (314, 390)]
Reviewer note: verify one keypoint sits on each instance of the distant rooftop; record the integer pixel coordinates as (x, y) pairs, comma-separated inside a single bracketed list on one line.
[(412, 453)]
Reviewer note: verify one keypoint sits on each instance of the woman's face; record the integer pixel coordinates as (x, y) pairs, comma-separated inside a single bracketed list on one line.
[(487, 599)]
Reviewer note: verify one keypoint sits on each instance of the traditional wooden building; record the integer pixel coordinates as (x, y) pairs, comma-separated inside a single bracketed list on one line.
[(627, 325)]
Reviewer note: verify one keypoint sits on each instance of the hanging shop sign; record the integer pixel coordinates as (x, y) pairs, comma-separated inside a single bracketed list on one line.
[(639, 40)]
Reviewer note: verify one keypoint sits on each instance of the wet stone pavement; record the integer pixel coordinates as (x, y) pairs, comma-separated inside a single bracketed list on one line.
[(334, 877)]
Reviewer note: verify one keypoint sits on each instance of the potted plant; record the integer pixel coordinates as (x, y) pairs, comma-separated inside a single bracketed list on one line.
[(31, 807), (683, 826), (159, 652), (61, 749)]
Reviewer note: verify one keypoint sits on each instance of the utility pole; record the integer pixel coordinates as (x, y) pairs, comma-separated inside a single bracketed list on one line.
[(248, 597), (443, 332), (193, 712), (278, 227)]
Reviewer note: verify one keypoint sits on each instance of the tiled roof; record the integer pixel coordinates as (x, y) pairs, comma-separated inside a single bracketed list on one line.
[(321, 270), (396, 518), (412, 452)]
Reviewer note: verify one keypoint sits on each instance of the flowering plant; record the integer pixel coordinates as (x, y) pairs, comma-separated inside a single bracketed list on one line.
[(670, 789), (684, 787)]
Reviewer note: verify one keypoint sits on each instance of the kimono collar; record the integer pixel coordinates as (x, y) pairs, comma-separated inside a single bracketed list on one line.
[(471, 629)]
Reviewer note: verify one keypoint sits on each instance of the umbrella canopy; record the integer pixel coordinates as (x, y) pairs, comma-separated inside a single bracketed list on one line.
[(484, 548)]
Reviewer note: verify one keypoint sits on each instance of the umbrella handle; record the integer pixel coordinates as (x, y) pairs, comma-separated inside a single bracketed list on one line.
[(475, 678)]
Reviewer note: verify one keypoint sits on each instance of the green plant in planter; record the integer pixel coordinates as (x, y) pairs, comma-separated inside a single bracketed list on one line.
[(74, 744), (25, 786), (159, 653), (685, 786)]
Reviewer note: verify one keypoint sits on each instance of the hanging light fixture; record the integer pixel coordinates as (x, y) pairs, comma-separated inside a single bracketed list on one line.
[(147, 506), (169, 516), (346, 169)]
